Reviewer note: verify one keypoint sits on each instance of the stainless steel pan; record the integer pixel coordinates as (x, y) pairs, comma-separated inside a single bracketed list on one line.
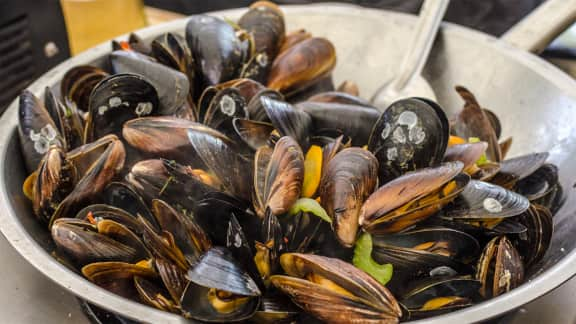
[(535, 100)]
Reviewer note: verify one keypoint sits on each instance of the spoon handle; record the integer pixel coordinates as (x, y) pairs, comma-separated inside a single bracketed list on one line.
[(430, 17)]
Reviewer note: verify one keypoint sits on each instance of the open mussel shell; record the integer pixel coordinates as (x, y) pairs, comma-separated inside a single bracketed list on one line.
[(216, 49), (173, 278), (84, 156), (276, 309), (102, 211), (515, 169), (254, 133), (467, 153), (36, 129), (484, 200), (108, 165), (410, 134), (499, 268), (353, 120), (350, 177), (66, 118), (188, 236), (278, 176), (219, 290), (472, 121), (335, 291), (155, 295), (435, 296), (302, 64), (288, 120), (167, 180), (117, 277), (392, 204), (77, 85), (300, 230), (83, 244), (540, 185), (444, 241), (533, 244), (171, 85), (265, 23), (116, 100), (56, 178)]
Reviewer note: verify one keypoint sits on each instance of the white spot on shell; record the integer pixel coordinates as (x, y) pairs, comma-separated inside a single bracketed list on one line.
[(102, 110), (143, 108), (34, 136), (237, 240), (41, 145), (408, 118), (442, 271), (385, 131), (398, 135), (504, 280), (227, 105), (48, 132), (392, 153), (416, 135), (206, 19), (114, 102), (262, 59), (492, 205)]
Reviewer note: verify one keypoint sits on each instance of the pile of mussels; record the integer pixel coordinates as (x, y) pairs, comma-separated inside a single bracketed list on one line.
[(221, 177)]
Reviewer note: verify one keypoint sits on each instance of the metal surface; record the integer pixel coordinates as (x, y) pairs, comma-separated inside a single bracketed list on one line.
[(408, 80), (536, 102)]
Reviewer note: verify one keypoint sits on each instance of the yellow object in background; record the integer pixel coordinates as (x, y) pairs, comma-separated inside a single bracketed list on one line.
[(90, 22)]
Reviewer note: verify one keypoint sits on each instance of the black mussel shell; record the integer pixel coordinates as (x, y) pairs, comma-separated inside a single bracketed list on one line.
[(123, 196), (410, 134), (288, 120)]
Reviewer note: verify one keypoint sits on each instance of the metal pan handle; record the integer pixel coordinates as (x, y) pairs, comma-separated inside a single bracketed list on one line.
[(542, 26)]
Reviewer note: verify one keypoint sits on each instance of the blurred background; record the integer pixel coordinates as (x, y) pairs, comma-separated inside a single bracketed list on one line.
[(38, 34)]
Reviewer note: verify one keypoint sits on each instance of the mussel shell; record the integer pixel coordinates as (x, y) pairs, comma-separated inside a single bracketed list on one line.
[(353, 120), (256, 110), (350, 177), (428, 289), (56, 178), (36, 129), (77, 85), (116, 100), (323, 84), (533, 244), (216, 49), (288, 120), (302, 64), (81, 243), (173, 277), (168, 181), (300, 230), (499, 268), (166, 137), (226, 105), (410, 134), (276, 309), (67, 120), (84, 156), (407, 188), (467, 153), (278, 176), (117, 277), (101, 211), (446, 241), (222, 160), (254, 133), (265, 23), (523, 166), (484, 200), (172, 86), (294, 37), (539, 183), (218, 270), (108, 165), (188, 236), (123, 196), (369, 301), (154, 295), (472, 121)]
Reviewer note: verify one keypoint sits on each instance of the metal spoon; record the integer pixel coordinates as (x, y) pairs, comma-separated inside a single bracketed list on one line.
[(409, 82)]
